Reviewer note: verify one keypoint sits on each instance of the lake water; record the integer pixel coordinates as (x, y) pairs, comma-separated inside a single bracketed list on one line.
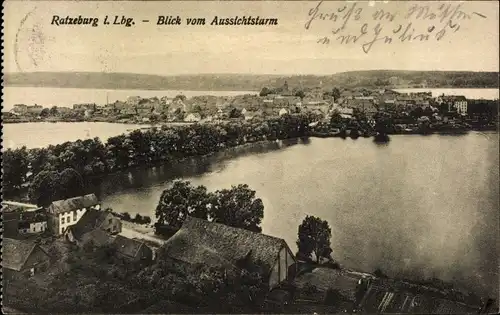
[(38, 135), (419, 205), (48, 97)]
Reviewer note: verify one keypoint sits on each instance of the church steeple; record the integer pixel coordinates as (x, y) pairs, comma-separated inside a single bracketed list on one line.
[(285, 86)]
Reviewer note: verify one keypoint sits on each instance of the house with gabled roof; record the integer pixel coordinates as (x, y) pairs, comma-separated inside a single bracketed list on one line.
[(32, 222), (132, 249), (94, 226), (22, 258), (64, 213), (202, 242)]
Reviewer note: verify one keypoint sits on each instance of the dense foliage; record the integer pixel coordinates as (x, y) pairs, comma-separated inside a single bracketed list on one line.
[(314, 238), (181, 200), (237, 207), (94, 280), (48, 186), (92, 158)]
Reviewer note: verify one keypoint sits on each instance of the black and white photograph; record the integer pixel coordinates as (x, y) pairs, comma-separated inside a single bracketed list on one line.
[(250, 157)]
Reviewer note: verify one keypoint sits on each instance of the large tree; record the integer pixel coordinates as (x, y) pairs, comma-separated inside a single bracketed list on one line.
[(180, 200), (265, 91), (44, 188), (53, 111), (238, 207), (71, 184), (336, 94), (314, 238), (45, 112), (180, 97), (48, 186), (14, 168)]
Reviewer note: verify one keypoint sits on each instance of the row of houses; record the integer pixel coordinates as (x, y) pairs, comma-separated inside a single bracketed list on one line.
[(213, 108), (79, 221), (371, 101), (56, 218), (389, 99), (22, 109)]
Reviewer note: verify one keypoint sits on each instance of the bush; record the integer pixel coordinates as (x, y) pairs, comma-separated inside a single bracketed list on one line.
[(146, 220)]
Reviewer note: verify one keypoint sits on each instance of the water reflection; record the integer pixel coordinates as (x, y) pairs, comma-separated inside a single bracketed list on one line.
[(381, 139), (305, 140), (190, 167)]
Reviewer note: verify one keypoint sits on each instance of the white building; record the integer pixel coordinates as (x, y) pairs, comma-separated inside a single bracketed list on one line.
[(193, 117), (33, 228), (64, 213), (283, 111), (133, 100), (346, 110), (456, 102), (32, 222), (461, 106)]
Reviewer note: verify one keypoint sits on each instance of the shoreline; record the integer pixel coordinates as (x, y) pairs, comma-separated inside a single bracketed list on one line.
[(149, 125)]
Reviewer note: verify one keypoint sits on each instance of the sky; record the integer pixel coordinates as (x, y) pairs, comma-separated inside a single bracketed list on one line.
[(33, 44)]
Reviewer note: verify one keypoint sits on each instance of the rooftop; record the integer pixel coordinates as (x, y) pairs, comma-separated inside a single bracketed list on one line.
[(127, 246), (90, 220), (67, 205), (326, 278), (201, 241), (15, 253), (97, 236)]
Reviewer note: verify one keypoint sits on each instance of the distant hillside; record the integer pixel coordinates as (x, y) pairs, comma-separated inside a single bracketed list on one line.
[(247, 82)]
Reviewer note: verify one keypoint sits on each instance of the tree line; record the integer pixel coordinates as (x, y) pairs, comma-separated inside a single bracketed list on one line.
[(89, 158)]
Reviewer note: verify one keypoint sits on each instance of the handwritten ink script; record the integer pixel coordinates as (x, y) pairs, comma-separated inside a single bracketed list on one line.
[(368, 26)]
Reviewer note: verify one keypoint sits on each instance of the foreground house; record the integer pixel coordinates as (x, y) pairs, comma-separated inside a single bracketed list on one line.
[(33, 222), (64, 213), (393, 296), (20, 218), (22, 258), (94, 226), (202, 242), (132, 249), (349, 290)]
